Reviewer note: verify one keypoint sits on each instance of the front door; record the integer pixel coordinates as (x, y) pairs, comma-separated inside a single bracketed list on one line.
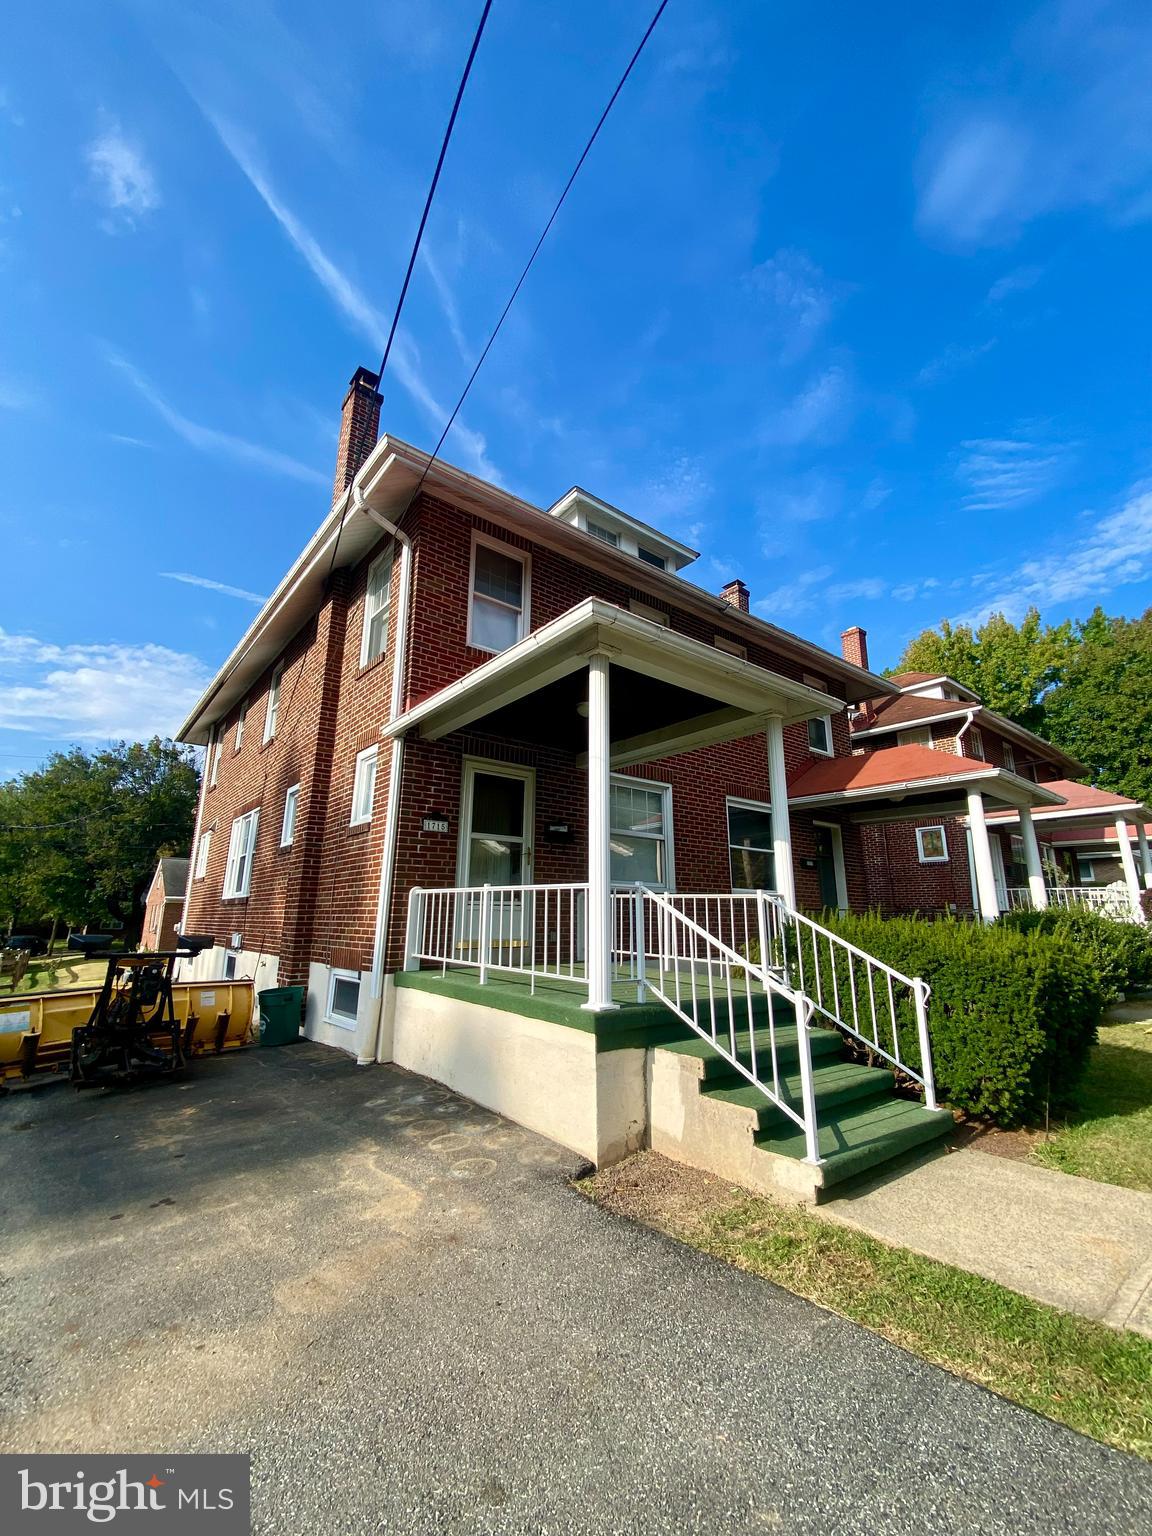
[(495, 850), (827, 856)]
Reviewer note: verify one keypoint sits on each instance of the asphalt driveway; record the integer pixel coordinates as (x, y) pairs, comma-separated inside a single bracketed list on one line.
[(395, 1302)]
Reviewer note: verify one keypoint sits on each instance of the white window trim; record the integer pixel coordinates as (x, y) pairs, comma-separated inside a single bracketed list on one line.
[(903, 738), (232, 891), (214, 747), (744, 805), (341, 1020), (604, 534), (651, 557), (288, 833), (1009, 752), (665, 790), (944, 858), (385, 608), (369, 754), (203, 850), (241, 719), (512, 553), (830, 749), (976, 741), (272, 703)]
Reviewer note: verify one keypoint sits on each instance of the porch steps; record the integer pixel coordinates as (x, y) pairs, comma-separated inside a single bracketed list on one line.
[(862, 1123)]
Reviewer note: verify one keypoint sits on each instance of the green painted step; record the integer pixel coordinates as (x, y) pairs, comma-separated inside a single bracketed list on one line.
[(825, 1043), (859, 1137), (834, 1083)]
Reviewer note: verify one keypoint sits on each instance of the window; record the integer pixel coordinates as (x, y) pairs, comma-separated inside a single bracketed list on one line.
[(377, 601), (598, 531), (240, 719), (1085, 872), (921, 736), (820, 735), (650, 557), (641, 832), (272, 708), (730, 647), (498, 614), (229, 967), (241, 846), (932, 845), (364, 786), (751, 855), (288, 825), (214, 757), (1009, 758), (647, 611), (974, 744), (343, 998), (203, 849)]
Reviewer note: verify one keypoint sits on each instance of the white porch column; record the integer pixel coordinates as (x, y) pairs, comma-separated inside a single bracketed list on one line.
[(1036, 887), (1127, 858), (781, 824), (982, 858), (1145, 855), (598, 946)]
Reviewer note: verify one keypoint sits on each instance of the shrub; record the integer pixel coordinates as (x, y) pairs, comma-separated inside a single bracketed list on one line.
[(1121, 952), (1012, 1015)]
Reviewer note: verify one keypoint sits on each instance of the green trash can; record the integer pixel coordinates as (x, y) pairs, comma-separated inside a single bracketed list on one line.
[(280, 1010)]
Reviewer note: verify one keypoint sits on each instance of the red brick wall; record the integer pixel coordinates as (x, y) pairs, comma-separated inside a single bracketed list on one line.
[(160, 919)]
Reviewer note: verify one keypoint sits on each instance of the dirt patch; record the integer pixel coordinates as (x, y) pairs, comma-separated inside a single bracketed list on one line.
[(1017, 1145), (659, 1193)]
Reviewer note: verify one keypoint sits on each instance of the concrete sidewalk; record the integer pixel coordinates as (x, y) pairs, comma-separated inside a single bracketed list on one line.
[(1073, 1243)]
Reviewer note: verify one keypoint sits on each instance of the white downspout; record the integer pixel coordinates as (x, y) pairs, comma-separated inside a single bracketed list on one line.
[(392, 810), (963, 729)]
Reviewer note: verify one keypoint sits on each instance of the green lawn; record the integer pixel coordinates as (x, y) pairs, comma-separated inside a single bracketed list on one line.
[(60, 974), (1083, 1374), (1110, 1136)]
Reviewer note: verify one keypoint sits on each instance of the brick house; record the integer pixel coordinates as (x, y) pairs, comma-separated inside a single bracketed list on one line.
[(164, 904), (937, 732)]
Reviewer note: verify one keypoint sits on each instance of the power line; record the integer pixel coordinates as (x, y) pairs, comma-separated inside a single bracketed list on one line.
[(536, 248)]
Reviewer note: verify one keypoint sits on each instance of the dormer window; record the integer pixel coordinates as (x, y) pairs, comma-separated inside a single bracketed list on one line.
[(605, 535), (649, 557)]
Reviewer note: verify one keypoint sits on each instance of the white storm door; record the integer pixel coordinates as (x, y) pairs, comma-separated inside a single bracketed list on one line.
[(496, 850)]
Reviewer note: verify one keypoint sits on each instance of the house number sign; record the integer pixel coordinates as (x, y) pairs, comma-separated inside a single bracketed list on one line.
[(434, 824)]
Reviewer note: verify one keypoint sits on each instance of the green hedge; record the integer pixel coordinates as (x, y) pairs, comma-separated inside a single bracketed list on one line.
[(1120, 952), (1012, 1015)]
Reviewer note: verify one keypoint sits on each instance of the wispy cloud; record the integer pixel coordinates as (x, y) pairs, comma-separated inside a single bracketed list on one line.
[(447, 297), (1064, 121), (952, 360), (1019, 280), (214, 586), (809, 498), (817, 414), (358, 310), (1008, 472), (210, 440), (1115, 553), (801, 299), (105, 692), (793, 596), (121, 177)]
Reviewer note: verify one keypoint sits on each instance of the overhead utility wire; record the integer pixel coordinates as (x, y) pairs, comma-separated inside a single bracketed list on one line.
[(536, 248)]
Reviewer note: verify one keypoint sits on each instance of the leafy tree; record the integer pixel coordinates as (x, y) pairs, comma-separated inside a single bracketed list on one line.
[(1101, 710), (79, 837), (1011, 667)]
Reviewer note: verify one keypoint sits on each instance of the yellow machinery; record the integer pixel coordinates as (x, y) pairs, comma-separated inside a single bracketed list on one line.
[(140, 1023)]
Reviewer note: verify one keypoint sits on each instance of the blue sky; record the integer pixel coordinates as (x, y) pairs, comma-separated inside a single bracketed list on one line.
[(853, 298)]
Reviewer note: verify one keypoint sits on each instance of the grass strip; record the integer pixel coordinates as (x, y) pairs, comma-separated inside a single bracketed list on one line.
[(1109, 1138)]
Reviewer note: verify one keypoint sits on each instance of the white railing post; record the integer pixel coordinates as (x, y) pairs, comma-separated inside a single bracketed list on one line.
[(920, 993), (762, 927), (807, 1092), (412, 931), (485, 931), (639, 941)]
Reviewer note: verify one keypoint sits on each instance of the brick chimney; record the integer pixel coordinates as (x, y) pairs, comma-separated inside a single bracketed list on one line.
[(359, 427), (736, 593), (854, 646)]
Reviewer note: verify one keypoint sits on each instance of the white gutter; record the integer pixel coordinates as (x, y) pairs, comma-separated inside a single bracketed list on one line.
[(395, 767)]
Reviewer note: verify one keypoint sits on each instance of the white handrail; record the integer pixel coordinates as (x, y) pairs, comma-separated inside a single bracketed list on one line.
[(1112, 900)]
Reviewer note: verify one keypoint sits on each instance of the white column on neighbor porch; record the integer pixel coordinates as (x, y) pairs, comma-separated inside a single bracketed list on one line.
[(1128, 859), (598, 947), (982, 858), (1034, 864), (1145, 855), (781, 824)]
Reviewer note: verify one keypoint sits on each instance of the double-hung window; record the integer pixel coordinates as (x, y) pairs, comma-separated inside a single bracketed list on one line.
[(974, 744), (641, 832), (240, 719), (364, 786), (241, 847), (377, 603), (272, 709), (1009, 757), (751, 853), (203, 849), (214, 748), (288, 825), (498, 609)]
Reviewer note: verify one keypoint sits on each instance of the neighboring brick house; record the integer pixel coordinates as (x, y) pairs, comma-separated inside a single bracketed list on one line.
[(164, 904)]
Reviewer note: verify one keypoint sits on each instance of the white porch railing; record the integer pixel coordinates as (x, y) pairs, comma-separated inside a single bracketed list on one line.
[(527, 931), (1110, 900)]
